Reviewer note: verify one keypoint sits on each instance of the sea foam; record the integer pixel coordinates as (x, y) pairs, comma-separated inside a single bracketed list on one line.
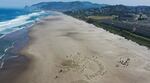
[(20, 22)]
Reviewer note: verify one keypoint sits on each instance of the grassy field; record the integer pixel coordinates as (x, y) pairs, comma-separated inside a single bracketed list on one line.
[(125, 33), (128, 35), (100, 17)]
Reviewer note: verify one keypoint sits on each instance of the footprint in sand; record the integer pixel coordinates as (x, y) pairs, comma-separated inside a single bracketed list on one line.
[(68, 65), (90, 68), (123, 61), (79, 81), (147, 67)]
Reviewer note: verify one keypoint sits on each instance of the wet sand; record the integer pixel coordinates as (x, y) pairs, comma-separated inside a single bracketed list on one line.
[(66, 50), (13, 62)]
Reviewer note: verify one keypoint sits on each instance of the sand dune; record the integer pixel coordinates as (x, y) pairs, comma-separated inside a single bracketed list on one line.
[(66, 50)]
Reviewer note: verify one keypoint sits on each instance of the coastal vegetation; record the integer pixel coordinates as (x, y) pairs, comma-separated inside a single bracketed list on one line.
[(131, 22), (41, 45), (133, 25)]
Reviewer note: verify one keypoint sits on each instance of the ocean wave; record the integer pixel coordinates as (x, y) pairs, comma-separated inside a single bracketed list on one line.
[(2, 59), (19, 22)]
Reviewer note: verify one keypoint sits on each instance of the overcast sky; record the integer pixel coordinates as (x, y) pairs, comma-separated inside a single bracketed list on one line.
[(22, 3)]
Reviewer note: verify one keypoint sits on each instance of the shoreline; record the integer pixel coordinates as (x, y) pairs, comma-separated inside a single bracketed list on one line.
[(62, 49), (59, 61), (13, 62)]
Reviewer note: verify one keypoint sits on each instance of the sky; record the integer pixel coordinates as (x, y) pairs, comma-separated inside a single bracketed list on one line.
[(22, 3)]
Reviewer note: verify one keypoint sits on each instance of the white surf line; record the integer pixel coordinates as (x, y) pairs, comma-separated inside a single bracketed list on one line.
[(2, 36), (1, 57), (25, 24), (11, 57), (2, 61), (2, 64), (9, 47)]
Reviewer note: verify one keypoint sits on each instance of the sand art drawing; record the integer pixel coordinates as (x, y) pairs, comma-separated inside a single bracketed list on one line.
[(89, 67)]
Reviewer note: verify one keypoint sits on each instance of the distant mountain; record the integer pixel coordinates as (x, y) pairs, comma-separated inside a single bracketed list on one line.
[(65, 6), (90, 8)]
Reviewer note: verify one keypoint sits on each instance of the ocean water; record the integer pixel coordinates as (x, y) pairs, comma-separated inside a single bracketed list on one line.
[(11, 21)]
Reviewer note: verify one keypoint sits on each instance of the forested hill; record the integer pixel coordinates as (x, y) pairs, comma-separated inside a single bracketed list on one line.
[(65, 6), (114, 10), (84, 6), (121, 9)]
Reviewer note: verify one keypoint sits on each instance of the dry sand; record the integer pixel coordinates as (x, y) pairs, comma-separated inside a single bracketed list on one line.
[(66, 50)]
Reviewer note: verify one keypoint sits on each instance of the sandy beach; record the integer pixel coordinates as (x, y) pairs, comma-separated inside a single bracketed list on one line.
[(63, 49)]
